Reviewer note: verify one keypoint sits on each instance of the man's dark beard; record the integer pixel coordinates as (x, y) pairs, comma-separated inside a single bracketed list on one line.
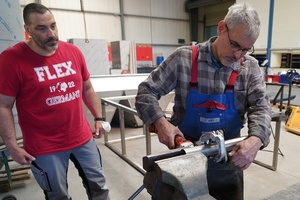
[(43, 44)]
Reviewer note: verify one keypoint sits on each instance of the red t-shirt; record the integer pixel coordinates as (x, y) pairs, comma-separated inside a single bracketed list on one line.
[(48, 91)]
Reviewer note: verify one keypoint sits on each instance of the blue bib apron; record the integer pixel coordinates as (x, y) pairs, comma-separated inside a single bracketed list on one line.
[(209, 112)]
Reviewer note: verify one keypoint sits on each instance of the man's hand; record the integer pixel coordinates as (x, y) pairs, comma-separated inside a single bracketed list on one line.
[(166, 132), (245, 152), (99, 131), (19, 155)]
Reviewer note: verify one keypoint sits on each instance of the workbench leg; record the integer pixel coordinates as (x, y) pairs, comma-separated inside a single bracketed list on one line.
[(276, 144)]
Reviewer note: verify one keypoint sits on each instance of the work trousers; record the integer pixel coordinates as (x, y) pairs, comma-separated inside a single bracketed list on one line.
[(50, 171), (225, 181)]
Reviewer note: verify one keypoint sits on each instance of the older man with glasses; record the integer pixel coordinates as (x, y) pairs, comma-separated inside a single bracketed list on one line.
[(217, 86), (235, 46)]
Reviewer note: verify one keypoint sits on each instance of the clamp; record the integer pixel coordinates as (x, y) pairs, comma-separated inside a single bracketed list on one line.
[(215, 137)]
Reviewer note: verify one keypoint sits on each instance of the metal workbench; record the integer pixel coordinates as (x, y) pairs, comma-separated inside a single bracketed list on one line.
[(277, 116)]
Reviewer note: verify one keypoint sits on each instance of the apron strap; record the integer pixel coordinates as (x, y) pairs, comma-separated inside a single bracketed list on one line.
[(194, 83), (230, 85)]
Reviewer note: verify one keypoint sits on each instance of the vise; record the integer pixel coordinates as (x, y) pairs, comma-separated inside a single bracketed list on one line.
[(180, 174)]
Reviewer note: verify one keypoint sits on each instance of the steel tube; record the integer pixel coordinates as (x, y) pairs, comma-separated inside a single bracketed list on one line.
[(103, 109), (137, 192), (276, 144), (207, 150), (127, 160), (117, 105), (122, 128), (148, 139)]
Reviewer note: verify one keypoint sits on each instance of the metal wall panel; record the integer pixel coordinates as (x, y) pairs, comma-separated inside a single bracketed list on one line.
[(285, 32), (156, 31), (140, 34), (144, 8), (285, 29), (169, 9), (158, 8), (24, 2), (262, 8), (103, 26), (70, 24), (95, 53), (102, 5), (62, 4), (11, 32), (103, 20), (121, 55), (286, 26), (11, 24), (169, 31)]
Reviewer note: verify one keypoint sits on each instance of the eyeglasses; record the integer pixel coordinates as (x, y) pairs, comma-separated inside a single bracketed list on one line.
[(236, 47)]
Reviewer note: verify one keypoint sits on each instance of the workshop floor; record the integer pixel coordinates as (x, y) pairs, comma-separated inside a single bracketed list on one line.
[(123, 180)]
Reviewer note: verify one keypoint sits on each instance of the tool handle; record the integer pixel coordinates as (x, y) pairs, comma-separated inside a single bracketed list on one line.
[(181, 142), (178, 140)]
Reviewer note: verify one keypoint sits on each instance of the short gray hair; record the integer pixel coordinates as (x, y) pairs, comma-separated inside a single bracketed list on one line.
[(243, 13)]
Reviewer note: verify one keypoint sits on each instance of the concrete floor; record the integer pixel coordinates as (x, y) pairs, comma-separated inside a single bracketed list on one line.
[(123, 180)]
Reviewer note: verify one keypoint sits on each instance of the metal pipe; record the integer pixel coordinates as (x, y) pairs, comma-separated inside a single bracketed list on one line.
[(128, 138), (122, 127), (148, 139), (137, 192), (127, 160), (120, 106), (122, 19), (207, 150), (103, 109), (270, 31), (122, 153), (84, 21), (276, 145)]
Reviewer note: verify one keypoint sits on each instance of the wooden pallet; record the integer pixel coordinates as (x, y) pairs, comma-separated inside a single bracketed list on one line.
[(19, 173)]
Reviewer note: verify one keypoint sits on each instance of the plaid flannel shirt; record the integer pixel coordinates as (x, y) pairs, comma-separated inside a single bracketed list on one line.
[(174, 73)]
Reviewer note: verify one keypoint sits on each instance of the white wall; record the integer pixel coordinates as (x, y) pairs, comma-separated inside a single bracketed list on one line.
[(262, 8), (156, 22), (285, 33), (286, 24), (162, 22)]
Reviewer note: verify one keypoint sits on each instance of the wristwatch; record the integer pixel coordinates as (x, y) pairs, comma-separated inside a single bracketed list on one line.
[(99, 119)]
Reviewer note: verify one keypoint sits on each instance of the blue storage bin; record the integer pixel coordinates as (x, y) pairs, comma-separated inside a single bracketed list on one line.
[(287, 78), (159, 59)]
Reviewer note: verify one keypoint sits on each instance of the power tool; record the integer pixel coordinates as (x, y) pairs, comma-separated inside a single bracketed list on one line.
[(180, 141)]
